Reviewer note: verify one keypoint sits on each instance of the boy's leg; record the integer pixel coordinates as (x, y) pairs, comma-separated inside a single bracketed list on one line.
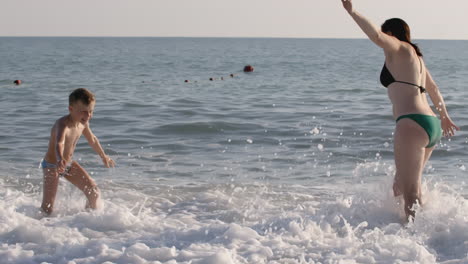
[(51, 181), (81, 179)]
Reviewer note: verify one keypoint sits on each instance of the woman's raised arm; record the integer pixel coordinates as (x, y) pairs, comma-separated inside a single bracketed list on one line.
[(381, 39)]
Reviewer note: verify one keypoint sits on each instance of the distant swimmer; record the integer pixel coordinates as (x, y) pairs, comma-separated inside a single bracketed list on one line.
[(17, 82), (58, 161), (408, 81), (232, 75), (248, 68), (186, 81)]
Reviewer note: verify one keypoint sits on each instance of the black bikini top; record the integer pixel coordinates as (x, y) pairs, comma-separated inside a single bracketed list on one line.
[(386, 78)]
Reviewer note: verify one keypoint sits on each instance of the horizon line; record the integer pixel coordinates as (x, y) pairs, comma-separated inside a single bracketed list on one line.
[(210, 37)]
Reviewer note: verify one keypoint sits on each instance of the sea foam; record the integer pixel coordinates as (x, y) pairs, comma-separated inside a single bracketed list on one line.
[(235, 223)]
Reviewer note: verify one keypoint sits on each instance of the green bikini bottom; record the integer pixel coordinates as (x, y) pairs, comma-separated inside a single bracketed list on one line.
[(430, 123)]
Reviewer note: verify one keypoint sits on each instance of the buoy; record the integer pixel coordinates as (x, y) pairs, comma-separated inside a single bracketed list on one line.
[(248, 68)]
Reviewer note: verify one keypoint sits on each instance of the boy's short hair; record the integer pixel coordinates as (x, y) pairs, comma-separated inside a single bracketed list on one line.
[(81, 94)]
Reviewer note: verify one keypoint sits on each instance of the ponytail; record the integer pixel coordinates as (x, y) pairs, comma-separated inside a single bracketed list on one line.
[(416, 48)]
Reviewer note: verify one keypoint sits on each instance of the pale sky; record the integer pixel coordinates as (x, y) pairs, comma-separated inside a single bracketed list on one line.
[(428, 19)]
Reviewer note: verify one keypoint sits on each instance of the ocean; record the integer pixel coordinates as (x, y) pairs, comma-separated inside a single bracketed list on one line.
[(292, 163)]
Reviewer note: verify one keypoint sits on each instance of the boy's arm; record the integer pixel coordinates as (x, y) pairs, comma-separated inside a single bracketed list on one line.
[(381, 39), (447, 124), (94, 143)]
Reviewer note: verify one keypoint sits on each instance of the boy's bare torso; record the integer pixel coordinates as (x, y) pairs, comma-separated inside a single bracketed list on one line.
[(71, 135)]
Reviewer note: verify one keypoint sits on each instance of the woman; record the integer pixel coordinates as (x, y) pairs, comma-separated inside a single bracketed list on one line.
[(408, 80)]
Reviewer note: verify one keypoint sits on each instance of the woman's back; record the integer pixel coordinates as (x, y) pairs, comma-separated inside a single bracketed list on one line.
[(409, 73)]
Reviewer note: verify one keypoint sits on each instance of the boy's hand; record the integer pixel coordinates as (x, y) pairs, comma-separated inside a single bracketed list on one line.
[(108, 162), (61, 165)]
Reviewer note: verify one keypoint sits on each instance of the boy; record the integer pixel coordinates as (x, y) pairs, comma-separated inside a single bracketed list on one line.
[(58, 159)]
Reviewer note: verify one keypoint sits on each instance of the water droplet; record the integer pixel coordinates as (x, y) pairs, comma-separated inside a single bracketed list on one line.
[(314, 131)]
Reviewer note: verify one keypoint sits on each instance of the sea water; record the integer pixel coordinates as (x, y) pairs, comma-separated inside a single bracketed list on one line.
[(292, 163)]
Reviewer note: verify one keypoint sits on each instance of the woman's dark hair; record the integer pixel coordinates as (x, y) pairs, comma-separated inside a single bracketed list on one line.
[(401, 31)]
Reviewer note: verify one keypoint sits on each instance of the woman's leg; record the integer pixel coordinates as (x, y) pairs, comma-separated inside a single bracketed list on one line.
[(427, 154), (410, 157), (81, 179), (49, 192)]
